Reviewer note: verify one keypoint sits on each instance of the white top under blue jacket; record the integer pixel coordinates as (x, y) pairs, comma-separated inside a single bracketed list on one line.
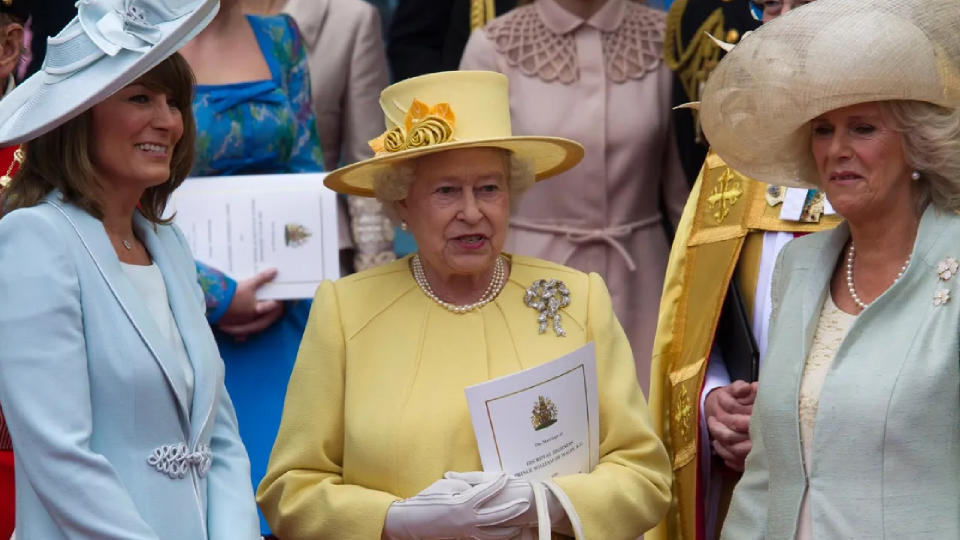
[(109, 442)]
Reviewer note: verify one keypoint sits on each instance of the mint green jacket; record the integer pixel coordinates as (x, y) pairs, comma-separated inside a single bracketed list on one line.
[(886, 454)]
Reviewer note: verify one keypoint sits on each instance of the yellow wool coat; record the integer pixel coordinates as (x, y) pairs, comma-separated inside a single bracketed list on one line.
[(376, 411)]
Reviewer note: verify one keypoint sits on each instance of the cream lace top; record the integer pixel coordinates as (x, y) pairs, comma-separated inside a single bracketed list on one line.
[(832, 328)]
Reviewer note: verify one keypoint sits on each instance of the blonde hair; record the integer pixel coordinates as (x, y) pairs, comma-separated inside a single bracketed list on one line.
[(392, 184), (931, 143)]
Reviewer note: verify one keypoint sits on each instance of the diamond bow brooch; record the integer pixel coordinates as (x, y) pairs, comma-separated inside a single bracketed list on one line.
[(548, 296)]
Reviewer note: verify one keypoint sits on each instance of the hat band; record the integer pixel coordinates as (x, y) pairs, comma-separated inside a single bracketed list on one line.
[(99, 33)]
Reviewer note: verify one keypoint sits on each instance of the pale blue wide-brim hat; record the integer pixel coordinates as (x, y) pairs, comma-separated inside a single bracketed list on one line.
[(108, 45)]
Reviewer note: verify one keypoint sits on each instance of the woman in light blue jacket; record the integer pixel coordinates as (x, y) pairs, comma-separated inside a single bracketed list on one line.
[(856, 426), (109, 376)]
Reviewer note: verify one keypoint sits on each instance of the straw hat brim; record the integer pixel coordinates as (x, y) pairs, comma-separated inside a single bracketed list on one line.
[(42, 102), (550, 156), (757, 104)]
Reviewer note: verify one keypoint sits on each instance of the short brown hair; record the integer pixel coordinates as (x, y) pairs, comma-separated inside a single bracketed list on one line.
[(60, 159), (10, 18)]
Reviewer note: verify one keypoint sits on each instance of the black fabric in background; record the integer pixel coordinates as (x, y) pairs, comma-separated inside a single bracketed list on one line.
[(427, 36), (735, 338), (49, 17)]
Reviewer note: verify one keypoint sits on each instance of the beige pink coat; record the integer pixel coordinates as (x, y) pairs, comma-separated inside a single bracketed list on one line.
[(601, 82)]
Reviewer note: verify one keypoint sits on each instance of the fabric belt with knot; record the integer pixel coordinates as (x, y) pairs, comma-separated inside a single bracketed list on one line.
[(174, 460), (612, 235)]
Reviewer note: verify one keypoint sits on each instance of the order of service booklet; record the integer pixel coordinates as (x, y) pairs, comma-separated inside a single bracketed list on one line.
[(540, 422), (242, 225)]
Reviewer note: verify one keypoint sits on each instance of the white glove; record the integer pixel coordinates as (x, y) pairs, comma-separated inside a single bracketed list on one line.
[(516, 489), (453, 508)]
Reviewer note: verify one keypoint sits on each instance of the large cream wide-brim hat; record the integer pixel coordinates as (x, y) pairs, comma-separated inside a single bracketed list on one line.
[(108, 45), (480, 106), (757, 104)]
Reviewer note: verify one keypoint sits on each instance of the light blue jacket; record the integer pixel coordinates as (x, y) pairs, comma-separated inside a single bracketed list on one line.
[(886, 446), (96, 404)]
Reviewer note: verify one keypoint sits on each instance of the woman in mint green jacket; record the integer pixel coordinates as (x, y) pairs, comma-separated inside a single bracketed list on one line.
[(856, 426)]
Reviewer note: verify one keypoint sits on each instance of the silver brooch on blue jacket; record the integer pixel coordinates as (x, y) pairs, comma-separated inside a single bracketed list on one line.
[(175, 460), (548, 297), (946, 269)]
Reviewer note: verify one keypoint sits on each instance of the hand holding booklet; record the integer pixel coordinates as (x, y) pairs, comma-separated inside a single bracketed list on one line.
[(242, 225), (540, 422)]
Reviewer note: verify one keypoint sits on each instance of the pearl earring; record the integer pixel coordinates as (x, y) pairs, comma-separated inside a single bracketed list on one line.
[(403, 225), (915, 175)]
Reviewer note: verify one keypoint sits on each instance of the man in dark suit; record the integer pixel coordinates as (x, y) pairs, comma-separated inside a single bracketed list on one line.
[(427, 36)]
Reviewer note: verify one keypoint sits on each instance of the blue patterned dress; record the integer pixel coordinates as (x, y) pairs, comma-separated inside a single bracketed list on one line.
[(258, 127)]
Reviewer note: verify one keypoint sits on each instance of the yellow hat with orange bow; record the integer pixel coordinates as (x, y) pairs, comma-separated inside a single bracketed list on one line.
[(447, 111)]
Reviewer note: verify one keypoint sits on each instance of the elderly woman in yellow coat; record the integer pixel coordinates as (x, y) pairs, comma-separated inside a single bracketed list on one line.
[(376, 417)]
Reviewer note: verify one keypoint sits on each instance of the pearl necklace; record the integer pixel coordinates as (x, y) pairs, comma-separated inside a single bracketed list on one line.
[(493, 289), (853, 291)]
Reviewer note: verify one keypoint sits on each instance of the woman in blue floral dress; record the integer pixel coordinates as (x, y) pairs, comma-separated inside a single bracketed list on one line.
[(254, 116)]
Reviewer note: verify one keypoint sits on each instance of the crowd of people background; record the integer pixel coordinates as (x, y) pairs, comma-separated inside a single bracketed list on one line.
[(752, 205)]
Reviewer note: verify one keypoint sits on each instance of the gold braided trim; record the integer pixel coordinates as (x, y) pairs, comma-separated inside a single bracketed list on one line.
[(19, 155), (481, 12), (673, 43), (693, 62)]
